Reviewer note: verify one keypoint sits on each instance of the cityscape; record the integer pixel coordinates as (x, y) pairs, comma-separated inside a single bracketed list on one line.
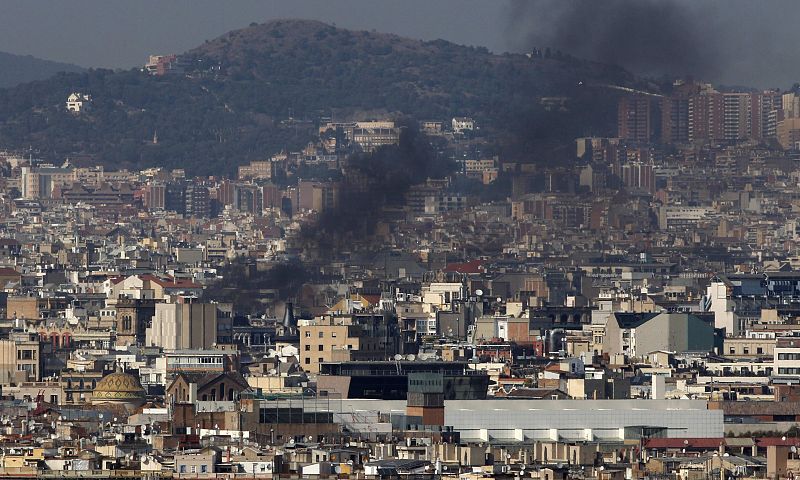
[(308, 251)]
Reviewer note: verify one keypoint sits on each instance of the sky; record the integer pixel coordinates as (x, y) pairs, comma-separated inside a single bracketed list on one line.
[(735, 42)]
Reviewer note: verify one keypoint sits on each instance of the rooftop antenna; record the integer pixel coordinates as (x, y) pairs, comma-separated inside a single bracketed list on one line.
[(397, 359)]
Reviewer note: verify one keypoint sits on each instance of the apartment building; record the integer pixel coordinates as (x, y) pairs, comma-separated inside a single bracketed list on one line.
[(40, 181), (182, 326), (786, 357), (635, 334), (749, 348), (345, 338), (634, 120), (257, 170), (20, 360)]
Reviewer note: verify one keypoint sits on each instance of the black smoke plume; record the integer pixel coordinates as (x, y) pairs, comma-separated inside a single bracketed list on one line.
[(242, 283), (651, 37), (373, 184)]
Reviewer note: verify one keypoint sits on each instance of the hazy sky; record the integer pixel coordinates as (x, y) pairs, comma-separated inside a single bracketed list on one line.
[(737, 41)]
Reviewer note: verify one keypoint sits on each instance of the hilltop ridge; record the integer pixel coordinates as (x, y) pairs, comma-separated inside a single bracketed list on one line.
[(16, 69)]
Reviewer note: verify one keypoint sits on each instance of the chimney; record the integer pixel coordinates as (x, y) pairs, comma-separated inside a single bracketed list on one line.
[(289, 322), (192, 392)]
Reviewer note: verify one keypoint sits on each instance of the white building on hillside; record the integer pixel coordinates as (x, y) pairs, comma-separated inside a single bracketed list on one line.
[(77, 102)]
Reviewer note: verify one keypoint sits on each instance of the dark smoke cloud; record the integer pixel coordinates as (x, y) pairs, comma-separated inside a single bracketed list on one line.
[(243, 283), (372, 182), (732, 41)]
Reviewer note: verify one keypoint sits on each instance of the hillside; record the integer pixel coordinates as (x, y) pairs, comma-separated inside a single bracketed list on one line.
[(307, 64), (246, 90), (16, 69)]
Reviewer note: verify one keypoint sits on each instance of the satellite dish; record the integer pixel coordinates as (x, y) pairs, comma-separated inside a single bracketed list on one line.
[(398, 357), (411, 357), (479, 292)]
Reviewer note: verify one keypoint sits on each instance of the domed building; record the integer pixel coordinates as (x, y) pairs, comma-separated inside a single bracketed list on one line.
[(119, 388)]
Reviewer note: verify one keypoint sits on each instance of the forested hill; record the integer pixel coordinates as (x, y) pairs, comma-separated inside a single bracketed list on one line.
[(247, 94), (16, 69)]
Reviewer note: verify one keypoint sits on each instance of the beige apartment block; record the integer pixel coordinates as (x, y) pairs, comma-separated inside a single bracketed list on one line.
[(335, 339)]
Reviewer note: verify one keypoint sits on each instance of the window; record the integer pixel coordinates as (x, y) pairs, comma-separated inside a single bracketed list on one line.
[(203, 468), (308, 348), (320, 334), (183, 469), (759, 350), (194, 468), (333, 334), (320, 348), (320, 360), (308, 334), (308, 361), (25, 355)]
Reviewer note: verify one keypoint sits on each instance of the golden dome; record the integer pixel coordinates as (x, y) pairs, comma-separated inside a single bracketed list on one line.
[(118, 386)]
